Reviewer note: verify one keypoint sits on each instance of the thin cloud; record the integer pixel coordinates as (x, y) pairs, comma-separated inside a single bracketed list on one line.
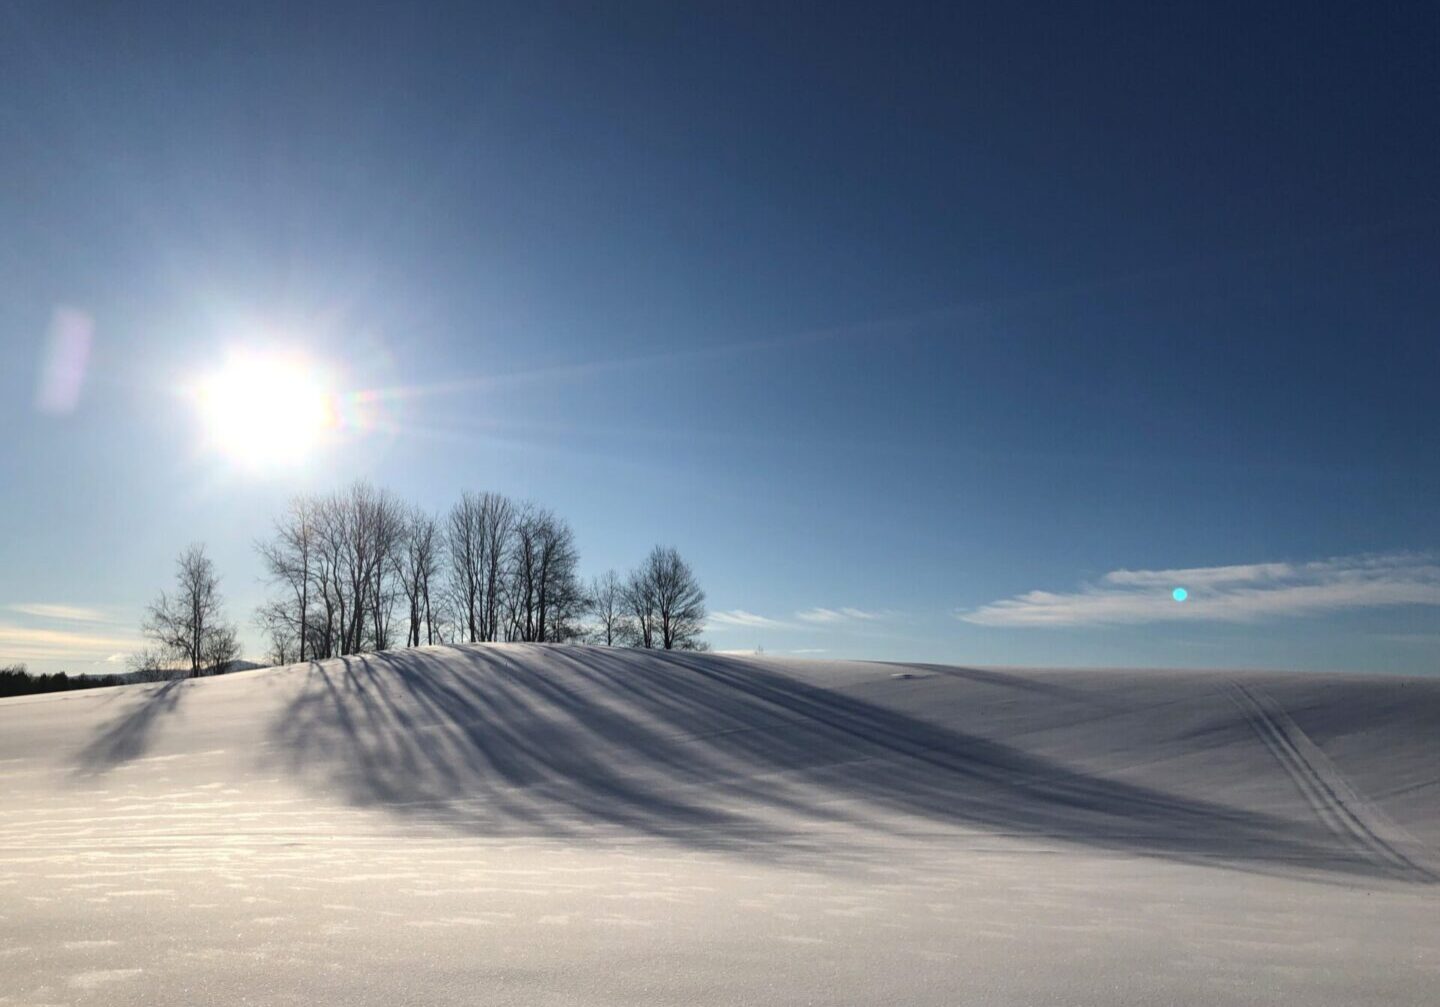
[(832, 616), (69, 613), (1201, 576), (1239, 594), (1423, 639), (739, 618), (22, 643)]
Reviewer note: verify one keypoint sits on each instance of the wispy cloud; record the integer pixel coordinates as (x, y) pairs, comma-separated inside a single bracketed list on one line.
[(739, 618), (832, 616), (69, 613), (1197, 577), (1239, 594), (22, 643), (1421, 639)]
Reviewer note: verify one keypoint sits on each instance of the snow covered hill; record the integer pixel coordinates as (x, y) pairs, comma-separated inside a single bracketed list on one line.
[(534, 825)]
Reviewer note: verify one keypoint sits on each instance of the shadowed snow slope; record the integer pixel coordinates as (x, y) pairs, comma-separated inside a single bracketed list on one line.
[(529, 824)]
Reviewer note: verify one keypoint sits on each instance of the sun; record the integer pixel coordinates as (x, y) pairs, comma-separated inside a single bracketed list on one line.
[(263, 409)]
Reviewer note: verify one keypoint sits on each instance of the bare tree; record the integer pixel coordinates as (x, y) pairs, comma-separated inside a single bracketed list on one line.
[(221, 647), (561, 597), (383, 519), (330, 546), (464, 540), (444, 623), (606, 602), (666, 598), (640, 603), (497, 524), (188, 626), (151, 664), (291, 561), (276, 620), (360, 532), (417, 561), (479, 548), (525, 575), (545, 594)]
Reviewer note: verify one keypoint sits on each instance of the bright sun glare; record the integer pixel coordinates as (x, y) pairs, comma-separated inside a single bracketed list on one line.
[(263, 409)]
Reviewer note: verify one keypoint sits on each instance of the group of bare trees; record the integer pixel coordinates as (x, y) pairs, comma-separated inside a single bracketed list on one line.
[(342, 563), (659, 605), (510, 572), (359, 570)]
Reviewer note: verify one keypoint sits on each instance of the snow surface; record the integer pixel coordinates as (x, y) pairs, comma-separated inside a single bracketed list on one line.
[(518, 824)]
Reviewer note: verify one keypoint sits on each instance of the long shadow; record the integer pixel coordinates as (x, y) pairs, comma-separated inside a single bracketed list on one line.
[(129, 735), (721, 754)]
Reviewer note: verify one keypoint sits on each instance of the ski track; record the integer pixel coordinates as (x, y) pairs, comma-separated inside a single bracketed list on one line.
[(1336, 804)]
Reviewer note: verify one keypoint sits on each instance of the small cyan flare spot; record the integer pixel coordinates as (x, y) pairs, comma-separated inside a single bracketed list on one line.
[(1179, 594)]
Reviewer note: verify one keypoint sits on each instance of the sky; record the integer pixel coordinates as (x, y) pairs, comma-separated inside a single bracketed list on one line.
[(961, 333)]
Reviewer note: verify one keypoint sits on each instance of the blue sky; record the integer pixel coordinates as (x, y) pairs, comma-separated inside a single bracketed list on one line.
[(924, 332)]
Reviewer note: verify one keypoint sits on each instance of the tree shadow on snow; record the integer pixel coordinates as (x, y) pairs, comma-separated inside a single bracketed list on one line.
[(718, 754), (129, 735)]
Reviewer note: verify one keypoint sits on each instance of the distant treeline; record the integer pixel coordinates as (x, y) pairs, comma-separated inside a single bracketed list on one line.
[(16, 679)]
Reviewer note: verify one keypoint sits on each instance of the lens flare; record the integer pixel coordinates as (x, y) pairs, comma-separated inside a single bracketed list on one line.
[(67, 350), (1179, 594)]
